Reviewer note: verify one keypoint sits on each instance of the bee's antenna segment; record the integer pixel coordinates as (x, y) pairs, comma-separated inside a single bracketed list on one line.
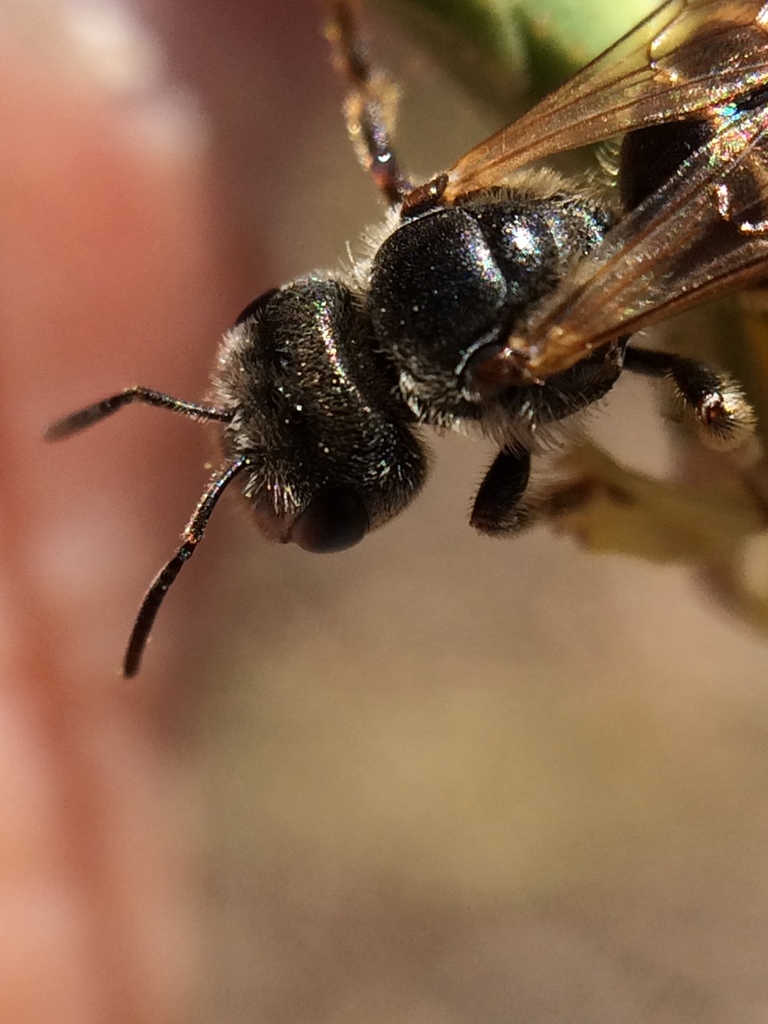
[(91, 414), (371, 103), (191, 537)]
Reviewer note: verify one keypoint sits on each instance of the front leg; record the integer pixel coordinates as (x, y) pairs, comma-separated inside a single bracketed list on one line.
[(499, 506), (722, 411)]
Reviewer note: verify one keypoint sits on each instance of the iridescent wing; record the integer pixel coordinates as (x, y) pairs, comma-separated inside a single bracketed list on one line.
[(688, 56), (703, 233)]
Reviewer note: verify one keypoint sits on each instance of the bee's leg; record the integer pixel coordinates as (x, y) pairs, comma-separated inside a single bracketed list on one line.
[(107, 406), (499, 506), (722, 410), (370, 105)]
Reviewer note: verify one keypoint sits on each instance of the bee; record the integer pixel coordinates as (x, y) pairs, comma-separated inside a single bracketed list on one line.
[(496, 296)]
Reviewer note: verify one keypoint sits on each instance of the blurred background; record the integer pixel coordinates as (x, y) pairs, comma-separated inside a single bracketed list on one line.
[(436, 778)]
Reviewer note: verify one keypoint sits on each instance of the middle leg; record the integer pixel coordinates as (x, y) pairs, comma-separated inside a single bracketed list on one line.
[(370, 105), (721, 408)]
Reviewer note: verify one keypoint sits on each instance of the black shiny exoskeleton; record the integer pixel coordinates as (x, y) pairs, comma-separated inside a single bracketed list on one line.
[(327, 381), (323, 385)]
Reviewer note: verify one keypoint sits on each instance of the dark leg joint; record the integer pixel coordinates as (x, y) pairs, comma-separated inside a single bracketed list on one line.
[(718, 402)]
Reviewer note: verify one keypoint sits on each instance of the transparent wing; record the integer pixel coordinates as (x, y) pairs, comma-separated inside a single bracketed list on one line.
[(687, 56), (703, 233)]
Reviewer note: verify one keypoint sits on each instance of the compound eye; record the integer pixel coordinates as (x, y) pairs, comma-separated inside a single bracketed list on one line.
[(335, 519), (254, 308)]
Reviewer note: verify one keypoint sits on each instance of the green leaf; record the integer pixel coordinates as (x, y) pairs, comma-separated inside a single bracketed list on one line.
[(506, 50)]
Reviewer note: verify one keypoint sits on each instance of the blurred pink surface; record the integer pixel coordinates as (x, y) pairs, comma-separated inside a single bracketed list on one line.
[(125, 254)]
